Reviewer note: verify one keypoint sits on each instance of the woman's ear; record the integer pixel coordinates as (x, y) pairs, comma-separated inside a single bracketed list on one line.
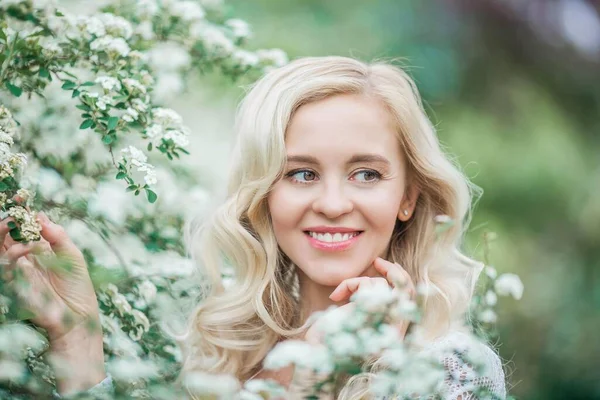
[(409, 202)]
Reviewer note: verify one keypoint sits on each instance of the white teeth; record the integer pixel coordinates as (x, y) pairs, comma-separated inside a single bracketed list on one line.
[(336, 237)]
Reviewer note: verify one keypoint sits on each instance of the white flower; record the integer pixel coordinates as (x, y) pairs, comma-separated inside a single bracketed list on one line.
[(5, 137), (491, 272), (221, 385), (245, 58), (139, 105), (488, 316), (103, 102), (374, 299), (130, 115), (11, 370), (50, 47), (141, 320), (187, 10), (267, 387), (168, 85), (300, 353), (116, 26), (395, 357), (275, 57), (133, 85), (240, 28), (131, 369), (169, 56), (214, 40), (146, 30), (121, 304), (490, 298), (150, 178), (374, 341), (147, 290), (93, 25), (134, 155), (111, 192), (16, 337), (509, 284), (344, 344), (167, 117), (109, 83), (146, 8), (115, 46)]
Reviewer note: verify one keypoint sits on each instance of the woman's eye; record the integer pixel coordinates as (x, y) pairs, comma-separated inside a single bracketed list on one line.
[(302, 176), (368, 175)]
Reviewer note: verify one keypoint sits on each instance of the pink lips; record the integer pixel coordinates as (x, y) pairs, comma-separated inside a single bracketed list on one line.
[(332, 246)]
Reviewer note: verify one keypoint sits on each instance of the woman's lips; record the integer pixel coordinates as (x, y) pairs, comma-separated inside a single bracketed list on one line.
[(332, 246)]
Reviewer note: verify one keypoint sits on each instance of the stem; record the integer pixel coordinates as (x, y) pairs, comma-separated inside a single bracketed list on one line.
[(110, 150), (6, 62)]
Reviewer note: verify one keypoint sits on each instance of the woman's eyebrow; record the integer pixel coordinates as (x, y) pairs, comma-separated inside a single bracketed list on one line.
[(357, 158)]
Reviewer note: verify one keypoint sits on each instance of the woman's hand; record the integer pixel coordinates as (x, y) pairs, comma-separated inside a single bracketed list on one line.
[(51, 280), (392, 275)]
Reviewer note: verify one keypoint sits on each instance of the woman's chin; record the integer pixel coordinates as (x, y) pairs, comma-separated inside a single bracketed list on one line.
[(332, 278)]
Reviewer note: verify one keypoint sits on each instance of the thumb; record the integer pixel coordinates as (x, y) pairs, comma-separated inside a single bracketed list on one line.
[(58, 239)]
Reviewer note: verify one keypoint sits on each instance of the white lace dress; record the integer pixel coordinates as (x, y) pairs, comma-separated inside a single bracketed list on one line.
[(471, 370)]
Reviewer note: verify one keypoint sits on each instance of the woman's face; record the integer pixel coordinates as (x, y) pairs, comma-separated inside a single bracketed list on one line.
[(343, 188)]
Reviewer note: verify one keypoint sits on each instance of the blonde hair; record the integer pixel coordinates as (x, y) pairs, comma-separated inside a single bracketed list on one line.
[(233, 329)]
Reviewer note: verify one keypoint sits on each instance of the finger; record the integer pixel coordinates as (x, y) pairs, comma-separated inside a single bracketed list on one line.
[(4, 229), (397, 276), (345, 289), (19, 250), (58, 240), (394, 273)]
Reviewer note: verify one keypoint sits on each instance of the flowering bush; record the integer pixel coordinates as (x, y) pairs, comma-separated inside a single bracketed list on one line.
[(82, 99)]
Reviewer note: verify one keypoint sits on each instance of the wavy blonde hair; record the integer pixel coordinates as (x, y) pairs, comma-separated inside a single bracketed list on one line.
[(233, 329)]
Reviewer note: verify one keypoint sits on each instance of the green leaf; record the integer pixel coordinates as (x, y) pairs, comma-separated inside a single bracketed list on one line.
[(15, 90), (151, 196), (131, 188), (86, 115), (121, 175), (84, 107), (44, 73), (68, 85), (112, 123), (86, 124), (88, 83), (75, 93), (16, 234), (108, 139), (150, 146), (11, 225), (3, 187)]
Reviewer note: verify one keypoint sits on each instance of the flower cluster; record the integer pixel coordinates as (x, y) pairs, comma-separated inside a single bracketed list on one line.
[(492, 285), (13, 199)]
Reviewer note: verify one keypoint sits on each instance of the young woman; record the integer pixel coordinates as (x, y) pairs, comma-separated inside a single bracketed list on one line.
[(336, 182)]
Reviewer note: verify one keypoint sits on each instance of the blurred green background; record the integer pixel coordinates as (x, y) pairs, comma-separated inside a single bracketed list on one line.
[(514, 89)]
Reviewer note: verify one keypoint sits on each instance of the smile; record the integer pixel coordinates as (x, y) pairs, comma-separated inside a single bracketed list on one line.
[(332, 241)]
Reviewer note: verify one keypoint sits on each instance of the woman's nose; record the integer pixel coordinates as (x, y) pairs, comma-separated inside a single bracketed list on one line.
[(332, 202)]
